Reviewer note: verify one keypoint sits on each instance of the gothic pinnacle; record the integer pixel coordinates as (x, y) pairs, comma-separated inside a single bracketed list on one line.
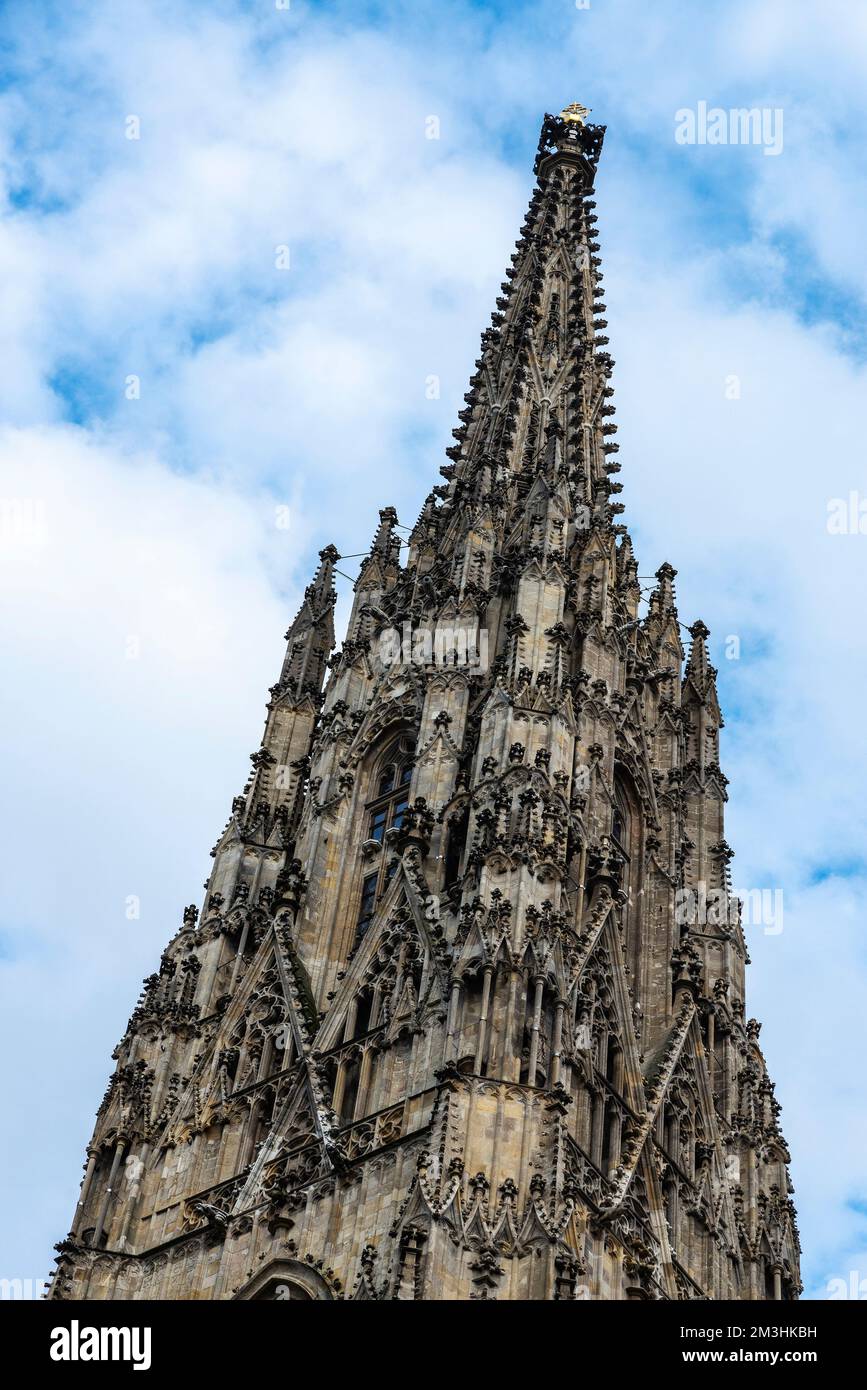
[(328, 558), (698, 661), (383, 541), (310, 637), (699, 670), (385, 546), (663, 596)]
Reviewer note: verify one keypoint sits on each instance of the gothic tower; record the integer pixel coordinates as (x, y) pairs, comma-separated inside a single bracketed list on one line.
[(462, 1016)]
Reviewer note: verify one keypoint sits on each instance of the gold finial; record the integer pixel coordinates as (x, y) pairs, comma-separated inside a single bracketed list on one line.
[(575, 112)]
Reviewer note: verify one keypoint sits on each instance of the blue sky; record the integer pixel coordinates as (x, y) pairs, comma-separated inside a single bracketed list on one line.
[(150, 525)]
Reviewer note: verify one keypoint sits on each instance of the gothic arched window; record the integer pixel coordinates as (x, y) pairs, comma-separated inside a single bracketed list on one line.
[(386, 809), (285, 1280), (621, 821), (626, 838), (455, 845), (383, 812)]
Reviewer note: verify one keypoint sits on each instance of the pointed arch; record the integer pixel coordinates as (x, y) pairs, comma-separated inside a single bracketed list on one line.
[(285, 1280), (388, 776)]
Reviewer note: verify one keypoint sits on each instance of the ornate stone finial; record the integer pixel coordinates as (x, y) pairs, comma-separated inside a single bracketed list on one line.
[(575, 112), (191, 917)]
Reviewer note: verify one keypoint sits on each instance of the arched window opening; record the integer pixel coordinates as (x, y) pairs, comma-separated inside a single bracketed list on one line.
[(769, 1281), (621, 823), (369, 891), (386, 810), (383, 812), (363, 1005), (612, 1061), (329, 1074), (386, 781), (672, 1135), (686, 1157), (341, 1078), (258, 1125), (345, 1105), (229, 1060), (626, 838), (605, 1161), (455, 844), (669, 1198), (285, 1280)]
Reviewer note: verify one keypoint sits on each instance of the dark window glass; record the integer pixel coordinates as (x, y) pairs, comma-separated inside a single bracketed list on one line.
[(362, 1014), (385, 809), (377, 823), (368, 902), (620, 825), (456, 842)]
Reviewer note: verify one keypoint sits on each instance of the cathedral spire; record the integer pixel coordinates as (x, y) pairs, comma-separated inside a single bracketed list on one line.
[(455, 971)]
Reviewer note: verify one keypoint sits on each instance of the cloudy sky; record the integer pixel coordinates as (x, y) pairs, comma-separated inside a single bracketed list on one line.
[(232, 259)]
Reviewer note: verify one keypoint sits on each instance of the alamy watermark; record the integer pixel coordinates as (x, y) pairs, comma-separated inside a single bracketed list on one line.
[(22, 520), (440, 646), (740, 125), (717, 907), (854, 1288), (22, 1290), (77, 1343), (847, 516)]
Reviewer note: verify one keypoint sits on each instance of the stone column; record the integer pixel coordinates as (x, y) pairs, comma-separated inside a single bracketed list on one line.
[(557, 1041), (534, 1034), (483, 1019), (363, 1083), (454, 1014), (339, 1088), (85, 1189)]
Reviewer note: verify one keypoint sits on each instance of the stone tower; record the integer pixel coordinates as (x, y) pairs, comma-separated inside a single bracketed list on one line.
[(463, 1014)]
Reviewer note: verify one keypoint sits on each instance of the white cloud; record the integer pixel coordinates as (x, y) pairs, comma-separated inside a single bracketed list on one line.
[(145, 633)]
